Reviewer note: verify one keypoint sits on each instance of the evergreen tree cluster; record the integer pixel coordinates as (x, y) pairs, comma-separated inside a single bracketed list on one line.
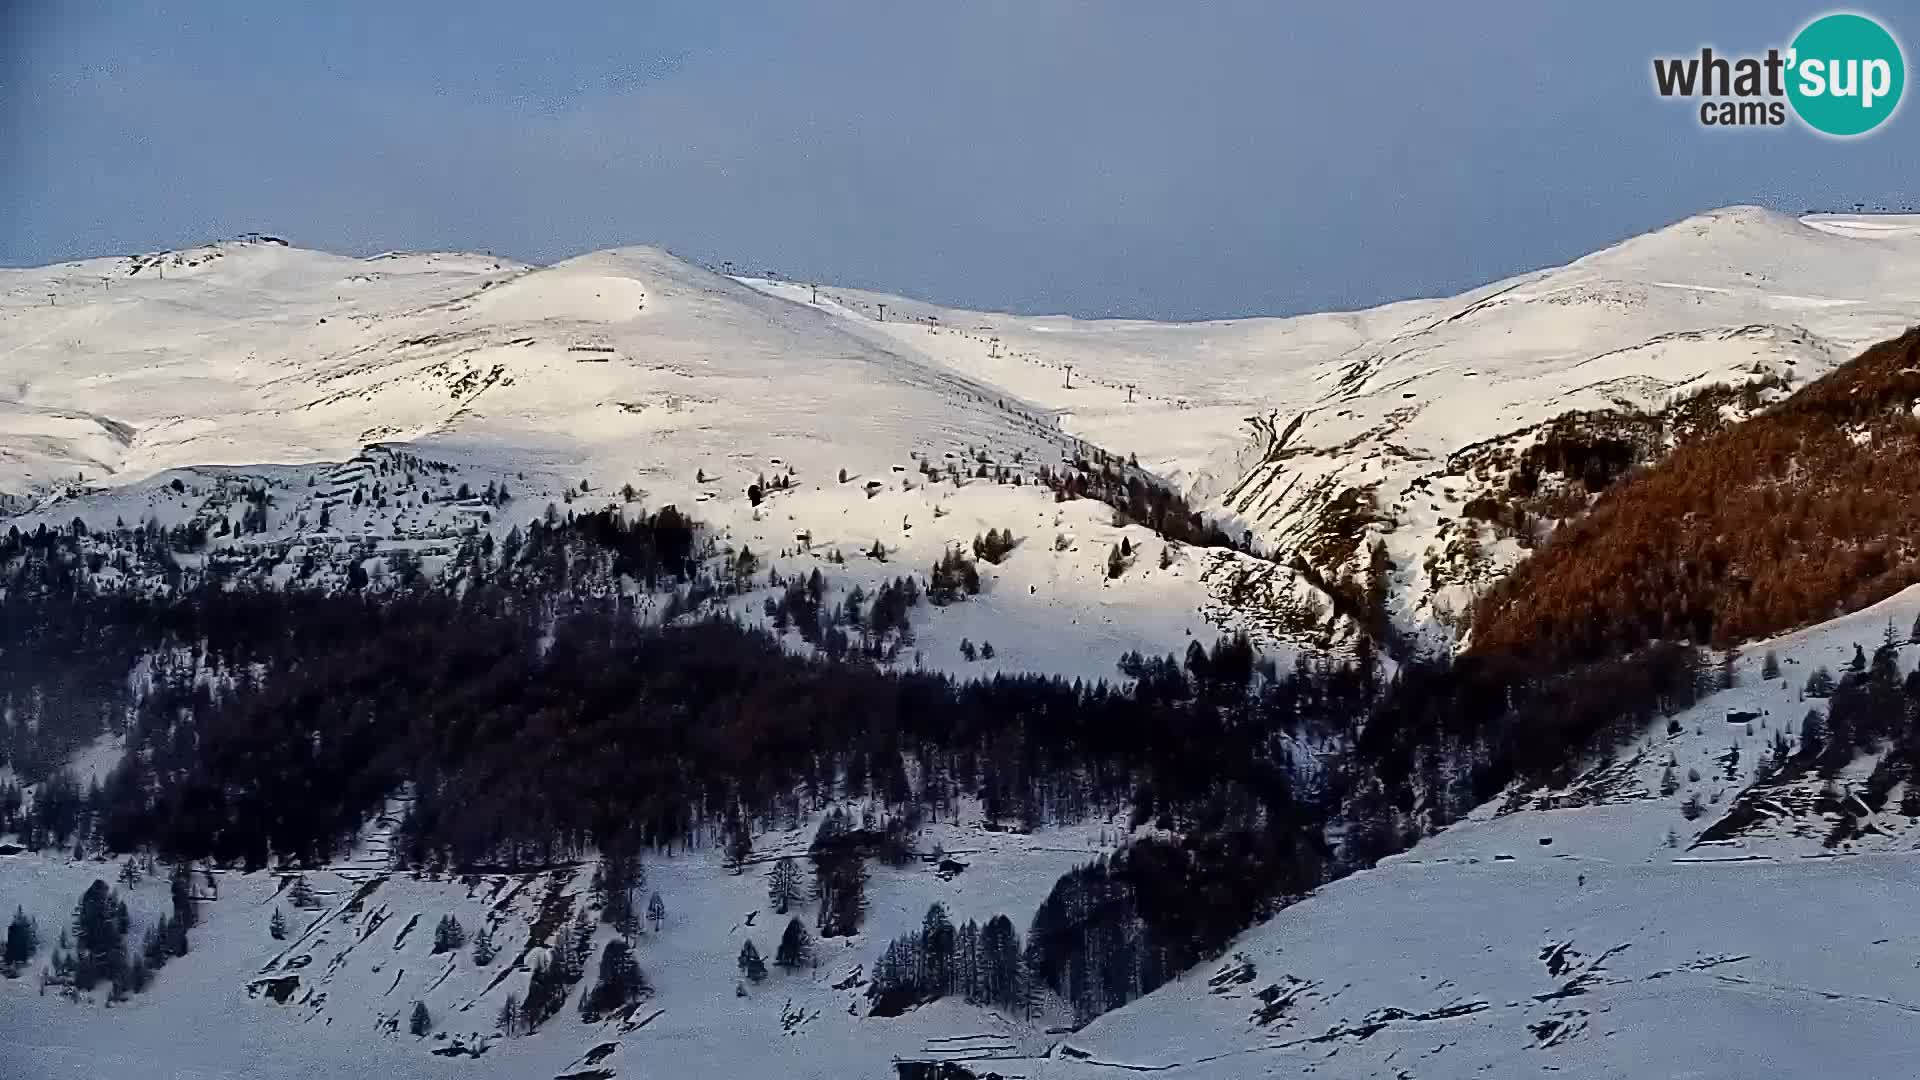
[(1137, 497), (555, 973), (954, 577), (994, 546), (96, 952), (448, 935), (839, 855), (981, 964), (619, 984), (617, 880)]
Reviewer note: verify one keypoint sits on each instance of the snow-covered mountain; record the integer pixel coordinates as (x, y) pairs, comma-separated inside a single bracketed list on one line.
[(1319, 434), (294, 403), (1326, 432), (625, 377)]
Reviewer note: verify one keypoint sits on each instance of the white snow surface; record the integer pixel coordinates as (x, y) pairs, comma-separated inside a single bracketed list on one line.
[(1586, 933), (253, 365), (1611, 951), (1593, 940), (1272, 419), (365, 955), (633, 367)]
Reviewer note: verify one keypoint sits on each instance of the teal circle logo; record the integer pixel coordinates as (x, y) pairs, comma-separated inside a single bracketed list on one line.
[(1846, 74)]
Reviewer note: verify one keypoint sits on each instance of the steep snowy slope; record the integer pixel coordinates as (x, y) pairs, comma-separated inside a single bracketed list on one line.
[(334, 998), (1329, 431), (1599, 931)]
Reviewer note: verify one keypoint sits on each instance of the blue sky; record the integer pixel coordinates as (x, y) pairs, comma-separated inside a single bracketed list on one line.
[(1174, 160)]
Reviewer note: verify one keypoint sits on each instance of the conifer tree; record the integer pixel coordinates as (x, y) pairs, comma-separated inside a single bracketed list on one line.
[(449, 935), (936, 951), (783, 885), (582, 945), (99, 937), (751, 965), (796, 947), (619, 984), (23, 941), (966, 962)]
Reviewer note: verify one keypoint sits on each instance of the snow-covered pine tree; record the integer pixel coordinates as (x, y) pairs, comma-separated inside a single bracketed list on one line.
[(783, 885)]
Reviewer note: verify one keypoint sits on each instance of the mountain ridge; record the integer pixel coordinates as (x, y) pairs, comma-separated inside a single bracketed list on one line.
[(817, 443)]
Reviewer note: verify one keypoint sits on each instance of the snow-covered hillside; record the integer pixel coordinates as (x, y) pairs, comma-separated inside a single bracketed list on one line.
[(627, 377), (1320, 433), (334, 998), (1599, 931), (1681, 908), (1328, 431)]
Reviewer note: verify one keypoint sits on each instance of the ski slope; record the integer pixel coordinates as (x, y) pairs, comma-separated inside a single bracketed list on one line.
[(1328, 431), (626, 378)]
